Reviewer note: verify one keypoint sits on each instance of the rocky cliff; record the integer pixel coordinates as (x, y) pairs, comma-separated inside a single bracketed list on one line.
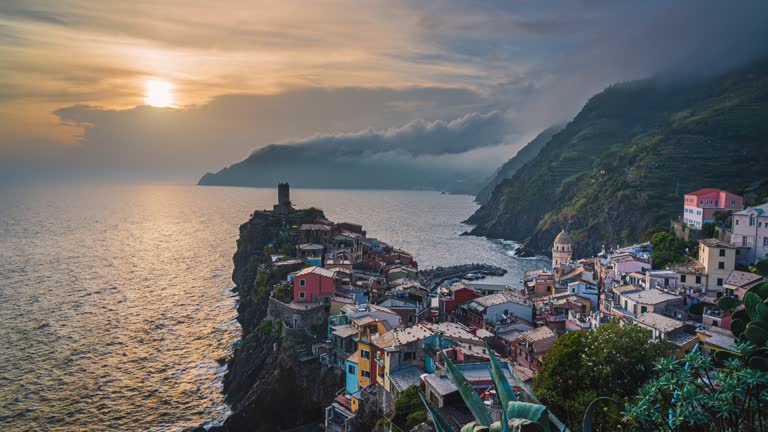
[(621, 166), (268, 385)]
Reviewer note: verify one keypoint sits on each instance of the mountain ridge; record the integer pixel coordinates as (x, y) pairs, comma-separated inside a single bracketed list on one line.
[(620, 167)]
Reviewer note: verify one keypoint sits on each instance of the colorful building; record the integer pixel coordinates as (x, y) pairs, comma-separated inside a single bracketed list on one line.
[(750, 234), (699, 207), (313, 285)]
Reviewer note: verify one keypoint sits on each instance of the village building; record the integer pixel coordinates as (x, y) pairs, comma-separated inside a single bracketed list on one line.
[(311, 253), (539, 283), (699, 207), (532, 346), (630, 301), (739, 282), (451, 298), (707, 274), (668, 329), (750, 233), (495, 309), (313, 285), (315, 233)]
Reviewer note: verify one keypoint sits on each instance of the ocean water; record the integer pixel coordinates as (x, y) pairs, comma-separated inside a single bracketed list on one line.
[(115, 301)]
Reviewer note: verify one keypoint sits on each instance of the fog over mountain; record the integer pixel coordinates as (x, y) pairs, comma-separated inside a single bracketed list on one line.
[(420, 154)]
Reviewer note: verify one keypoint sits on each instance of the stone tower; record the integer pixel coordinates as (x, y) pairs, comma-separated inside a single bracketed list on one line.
[(284, 195), (562, 249)]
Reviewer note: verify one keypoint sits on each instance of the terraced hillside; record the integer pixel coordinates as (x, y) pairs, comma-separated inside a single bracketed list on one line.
[(621, 166)]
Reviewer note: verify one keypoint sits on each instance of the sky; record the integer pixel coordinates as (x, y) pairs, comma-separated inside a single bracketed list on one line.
[(233, 77)]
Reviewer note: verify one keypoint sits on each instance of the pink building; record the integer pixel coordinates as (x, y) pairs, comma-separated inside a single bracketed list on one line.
[(627, 263), (313, 285), (699, 207)]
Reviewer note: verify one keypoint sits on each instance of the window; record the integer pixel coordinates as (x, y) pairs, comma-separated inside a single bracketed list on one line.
[(366, 374), (744, 241), (409, 356), (721, 265), (719, 281), (698, 279), (682, 278), (722, 252), (737, 221), (733, 203), (365, 354), (643, 309), (302, 282), (751, 220), (765, 241), (302, 294)]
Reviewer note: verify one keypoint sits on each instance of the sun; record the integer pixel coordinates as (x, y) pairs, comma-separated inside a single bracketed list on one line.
[(158, 93)]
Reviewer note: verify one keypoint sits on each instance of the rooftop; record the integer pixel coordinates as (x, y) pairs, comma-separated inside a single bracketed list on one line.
[(406, 377), (487, 287), (651, 297), (538, 334), (411, 334), (344, 331), (500, 298), (314, 227), (705, 191), (316, 270), (715, 243), (626, 289), (452, 331), (690, 267), (742, 279), (310, 246), (659, 322), (760, 210)]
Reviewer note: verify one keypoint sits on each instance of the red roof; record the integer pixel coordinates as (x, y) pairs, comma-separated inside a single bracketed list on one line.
[(701, 192)]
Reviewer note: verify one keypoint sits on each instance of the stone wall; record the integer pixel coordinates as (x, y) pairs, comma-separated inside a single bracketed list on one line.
[(298, 316)]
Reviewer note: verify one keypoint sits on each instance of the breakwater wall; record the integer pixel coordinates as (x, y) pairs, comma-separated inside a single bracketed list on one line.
[(434, 276)]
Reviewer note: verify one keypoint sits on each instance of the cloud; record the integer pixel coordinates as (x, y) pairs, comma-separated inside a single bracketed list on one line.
[(417, 138), (183, 143), (423, 154)]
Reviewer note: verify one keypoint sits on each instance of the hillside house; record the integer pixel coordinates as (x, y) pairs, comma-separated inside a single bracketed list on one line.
[(699, 207)]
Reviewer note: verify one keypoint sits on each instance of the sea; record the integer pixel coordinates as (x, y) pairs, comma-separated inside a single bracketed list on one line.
[(116, 301)]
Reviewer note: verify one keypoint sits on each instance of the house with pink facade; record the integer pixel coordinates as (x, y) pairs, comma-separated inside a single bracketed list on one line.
[(313, 285), (699, 207)]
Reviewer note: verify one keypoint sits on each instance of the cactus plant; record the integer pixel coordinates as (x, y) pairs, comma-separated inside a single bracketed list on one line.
[(750, 324)]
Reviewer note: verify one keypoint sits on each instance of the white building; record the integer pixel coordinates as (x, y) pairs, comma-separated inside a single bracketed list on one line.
[(750, 234)]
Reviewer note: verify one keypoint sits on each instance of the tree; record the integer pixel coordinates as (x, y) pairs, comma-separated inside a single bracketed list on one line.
[(669, 249), (691, 395), (610, 361), (409, 409)]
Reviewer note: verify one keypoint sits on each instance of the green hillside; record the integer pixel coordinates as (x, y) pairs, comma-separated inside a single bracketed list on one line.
[(624, 162), (530, 151)]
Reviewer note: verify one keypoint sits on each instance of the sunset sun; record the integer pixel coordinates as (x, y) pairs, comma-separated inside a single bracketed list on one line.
[(158, 93)]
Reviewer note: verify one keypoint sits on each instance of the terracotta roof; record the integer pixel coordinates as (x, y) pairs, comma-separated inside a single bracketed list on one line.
[(704, 191), (316, 270), (743, 279)]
